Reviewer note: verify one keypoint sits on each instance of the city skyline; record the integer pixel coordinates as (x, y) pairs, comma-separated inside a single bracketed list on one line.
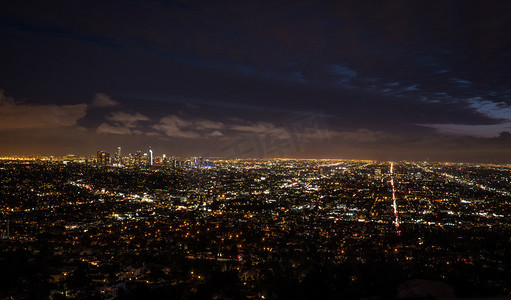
[(382, 81), (232, 154)]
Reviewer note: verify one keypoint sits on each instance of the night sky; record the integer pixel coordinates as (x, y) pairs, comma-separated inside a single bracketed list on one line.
[(389, 80)]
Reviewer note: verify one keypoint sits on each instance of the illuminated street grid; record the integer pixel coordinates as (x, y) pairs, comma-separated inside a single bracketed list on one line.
[(269, 226)]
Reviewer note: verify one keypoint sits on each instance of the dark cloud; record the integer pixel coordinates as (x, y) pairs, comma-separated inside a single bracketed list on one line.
[(102, 100), (18, 115)]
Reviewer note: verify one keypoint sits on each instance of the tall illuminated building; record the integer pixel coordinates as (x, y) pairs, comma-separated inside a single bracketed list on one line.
[(145, 159), (103, 158), (132, 158), (138, 158), (118, 157)]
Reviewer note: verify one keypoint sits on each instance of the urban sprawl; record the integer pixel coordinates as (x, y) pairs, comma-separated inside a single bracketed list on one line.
[(132, 226)]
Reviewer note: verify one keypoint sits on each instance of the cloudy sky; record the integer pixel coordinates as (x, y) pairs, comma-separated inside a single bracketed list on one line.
[(386, 80)]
